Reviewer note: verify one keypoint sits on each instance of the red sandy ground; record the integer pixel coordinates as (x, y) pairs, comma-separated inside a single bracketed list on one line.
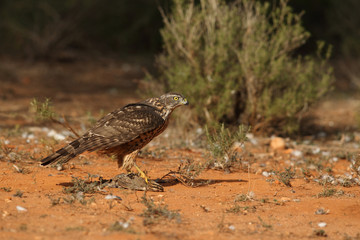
[(204, 210)]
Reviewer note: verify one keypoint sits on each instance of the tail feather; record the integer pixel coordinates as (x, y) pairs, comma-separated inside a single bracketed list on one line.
[(64, 154)]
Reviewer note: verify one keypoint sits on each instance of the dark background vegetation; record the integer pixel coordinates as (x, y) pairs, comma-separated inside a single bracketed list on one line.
[(42, 29)]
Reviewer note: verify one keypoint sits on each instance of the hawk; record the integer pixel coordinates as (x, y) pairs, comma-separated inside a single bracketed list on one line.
[(123, 132)]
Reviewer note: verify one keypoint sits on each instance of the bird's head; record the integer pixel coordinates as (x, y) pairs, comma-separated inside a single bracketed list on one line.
[(173, 100)]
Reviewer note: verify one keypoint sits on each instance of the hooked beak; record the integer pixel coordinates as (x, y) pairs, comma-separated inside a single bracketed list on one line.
[(185, 101)]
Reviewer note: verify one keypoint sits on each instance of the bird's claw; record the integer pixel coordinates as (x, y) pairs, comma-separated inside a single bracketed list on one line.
[(150, 184)]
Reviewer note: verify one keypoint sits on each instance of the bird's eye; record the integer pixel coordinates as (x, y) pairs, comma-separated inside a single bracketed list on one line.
[(176, 98)]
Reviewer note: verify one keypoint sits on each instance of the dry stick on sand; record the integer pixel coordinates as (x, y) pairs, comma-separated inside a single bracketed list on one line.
[(65, 124)]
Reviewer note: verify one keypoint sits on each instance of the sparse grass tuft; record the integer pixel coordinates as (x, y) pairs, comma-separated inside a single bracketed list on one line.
[(81, 187), (329, 192), (153, 213), (55, 201), (265, 225), (320, 233), (239, 209), (221, 145), (85, 185), (235, 209), (6, 189), (18, 193), (43, 110), (243, 198), (44, 113), (286, 176), (187, 172), (122, 226)]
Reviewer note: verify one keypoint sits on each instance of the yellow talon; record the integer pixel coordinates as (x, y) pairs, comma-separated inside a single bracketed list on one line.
[(142, 174)]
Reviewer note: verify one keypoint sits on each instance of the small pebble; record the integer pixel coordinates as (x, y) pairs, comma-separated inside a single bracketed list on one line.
[(321, 134), (297, 153), (5, 214), (110, 196), (325, 154), (199, 131), (277, 143), (232, 227), (55, 135), (285, 199), (21, 209), (322, 224), (316, 150), (205, 208)]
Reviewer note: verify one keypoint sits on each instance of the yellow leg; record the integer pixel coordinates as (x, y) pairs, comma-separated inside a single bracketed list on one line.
[(151, 184), (129, 161), (142, 174)]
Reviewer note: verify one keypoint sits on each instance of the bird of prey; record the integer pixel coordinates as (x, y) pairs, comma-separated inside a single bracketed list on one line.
[(123, 132)]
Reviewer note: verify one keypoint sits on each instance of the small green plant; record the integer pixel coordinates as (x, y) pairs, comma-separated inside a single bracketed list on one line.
[(190, 170), (265, 225), (80, 187), (54, 201), (286, 176), (44, 113), (154, 213), (319, 233), (220, 144), (6, 189), (43, 110), (239, 209), (235, 209), (18, 193), (187, 172), (329, 192)]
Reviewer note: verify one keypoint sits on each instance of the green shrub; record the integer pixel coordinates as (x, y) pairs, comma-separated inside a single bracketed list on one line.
[(236, 62), (221, 142)]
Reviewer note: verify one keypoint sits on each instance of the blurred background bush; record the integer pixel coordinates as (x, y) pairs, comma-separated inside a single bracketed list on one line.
[(38, 27)]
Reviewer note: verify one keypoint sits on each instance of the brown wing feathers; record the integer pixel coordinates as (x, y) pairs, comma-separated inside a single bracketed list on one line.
[(118, 127), (64, 154)]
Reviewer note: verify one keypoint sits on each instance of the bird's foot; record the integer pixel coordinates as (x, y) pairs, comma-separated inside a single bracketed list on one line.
[(142, 174), (151, 185)]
